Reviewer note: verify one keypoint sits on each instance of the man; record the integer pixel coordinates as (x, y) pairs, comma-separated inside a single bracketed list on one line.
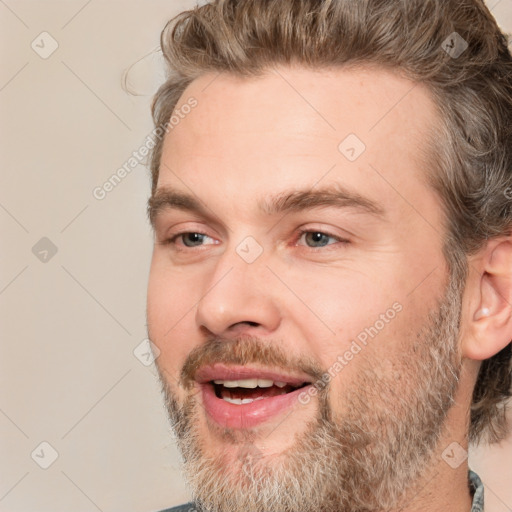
[(331, 283)]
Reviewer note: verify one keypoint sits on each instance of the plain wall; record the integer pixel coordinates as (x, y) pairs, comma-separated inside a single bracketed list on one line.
[(71, 319)]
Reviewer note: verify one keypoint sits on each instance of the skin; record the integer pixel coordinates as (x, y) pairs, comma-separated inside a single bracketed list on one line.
[(249, 140)]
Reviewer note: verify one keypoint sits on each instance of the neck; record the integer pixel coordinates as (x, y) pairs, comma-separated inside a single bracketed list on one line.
[(444, 486), (441, 488)]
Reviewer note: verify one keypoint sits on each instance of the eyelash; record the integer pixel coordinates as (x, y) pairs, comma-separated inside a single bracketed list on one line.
[(172, 240)]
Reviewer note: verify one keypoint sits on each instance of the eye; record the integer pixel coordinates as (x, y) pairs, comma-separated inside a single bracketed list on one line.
[(316, 239), (192, 239)]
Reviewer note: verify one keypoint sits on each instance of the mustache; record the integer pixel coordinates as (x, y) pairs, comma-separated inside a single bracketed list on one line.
[(245, 350)]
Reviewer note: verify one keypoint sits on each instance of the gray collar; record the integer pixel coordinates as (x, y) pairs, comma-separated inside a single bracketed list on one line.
[(477, 488)]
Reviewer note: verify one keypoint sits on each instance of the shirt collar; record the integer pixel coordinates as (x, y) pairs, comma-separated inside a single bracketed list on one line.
[(477, 489)]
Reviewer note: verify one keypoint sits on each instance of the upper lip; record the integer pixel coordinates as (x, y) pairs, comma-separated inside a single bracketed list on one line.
[(227, 372)]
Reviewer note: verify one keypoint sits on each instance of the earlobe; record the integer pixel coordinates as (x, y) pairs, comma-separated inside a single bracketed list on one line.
[(489, 328)]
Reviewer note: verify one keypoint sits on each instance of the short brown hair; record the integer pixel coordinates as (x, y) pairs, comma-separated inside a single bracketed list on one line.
[(471, 150)]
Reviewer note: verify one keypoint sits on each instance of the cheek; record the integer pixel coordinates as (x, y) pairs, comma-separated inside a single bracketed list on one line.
[(170, 312), (338, 306), (351, 314)]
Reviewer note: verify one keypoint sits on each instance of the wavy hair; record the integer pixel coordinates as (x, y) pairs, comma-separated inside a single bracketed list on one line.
[(470, 153)]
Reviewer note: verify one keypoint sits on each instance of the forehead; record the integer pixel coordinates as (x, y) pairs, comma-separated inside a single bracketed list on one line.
[(293, 127)]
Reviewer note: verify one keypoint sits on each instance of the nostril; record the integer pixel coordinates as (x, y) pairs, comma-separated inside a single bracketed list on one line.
[(245, 323)]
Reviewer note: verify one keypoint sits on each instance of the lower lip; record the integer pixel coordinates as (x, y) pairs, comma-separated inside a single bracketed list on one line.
[(245, 416)]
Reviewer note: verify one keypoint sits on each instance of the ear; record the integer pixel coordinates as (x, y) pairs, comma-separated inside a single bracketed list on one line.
[(488, 297)]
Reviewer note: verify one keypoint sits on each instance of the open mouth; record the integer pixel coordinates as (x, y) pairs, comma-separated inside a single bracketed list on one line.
[(246, 391), (241, 397)]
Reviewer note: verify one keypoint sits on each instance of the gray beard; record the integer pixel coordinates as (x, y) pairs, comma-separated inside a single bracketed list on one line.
[(367, 460)]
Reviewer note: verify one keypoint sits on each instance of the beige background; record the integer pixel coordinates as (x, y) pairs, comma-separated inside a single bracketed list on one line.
[(70, 323)]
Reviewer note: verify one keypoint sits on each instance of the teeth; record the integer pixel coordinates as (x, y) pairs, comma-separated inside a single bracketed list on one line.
[(237, 401), (249, 383), (241, 401), (242, 383)]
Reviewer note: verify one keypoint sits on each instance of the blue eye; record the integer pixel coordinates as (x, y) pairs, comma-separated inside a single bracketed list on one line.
[(317, 239), (193, 239)]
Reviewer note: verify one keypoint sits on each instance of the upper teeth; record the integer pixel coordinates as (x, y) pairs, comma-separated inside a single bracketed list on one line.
[(250, 383)]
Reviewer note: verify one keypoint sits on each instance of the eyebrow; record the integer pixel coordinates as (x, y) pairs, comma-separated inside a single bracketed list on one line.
[(334, 195), (286, 202), (165, 198)]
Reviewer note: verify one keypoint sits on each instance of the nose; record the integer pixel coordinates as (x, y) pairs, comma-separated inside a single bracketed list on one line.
[(239, 299)]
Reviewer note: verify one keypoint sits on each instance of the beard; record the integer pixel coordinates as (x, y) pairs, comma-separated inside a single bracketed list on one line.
[(366, 458)]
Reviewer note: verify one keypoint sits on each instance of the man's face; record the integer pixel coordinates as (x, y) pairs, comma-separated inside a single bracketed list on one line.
[(282, 256)]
